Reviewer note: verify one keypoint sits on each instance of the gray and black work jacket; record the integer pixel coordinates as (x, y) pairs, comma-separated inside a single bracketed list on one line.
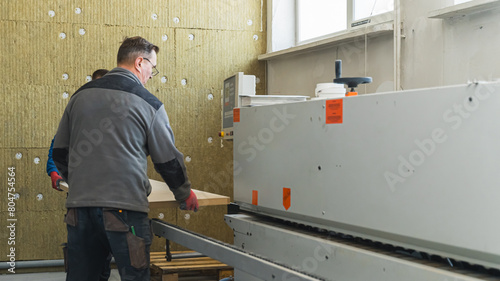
[(108, 129)]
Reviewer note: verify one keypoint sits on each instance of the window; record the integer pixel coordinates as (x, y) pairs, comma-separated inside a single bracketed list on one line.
[(368, 8), (317, 19)]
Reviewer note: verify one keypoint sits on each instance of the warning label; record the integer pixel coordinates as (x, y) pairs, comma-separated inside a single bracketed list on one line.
[(236, 115), (334, 111)]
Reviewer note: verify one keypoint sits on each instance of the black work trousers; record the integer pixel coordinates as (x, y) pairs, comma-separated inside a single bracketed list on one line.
[(94, 232)]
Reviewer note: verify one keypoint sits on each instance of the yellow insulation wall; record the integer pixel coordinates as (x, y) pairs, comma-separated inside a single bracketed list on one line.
[(201, 42)]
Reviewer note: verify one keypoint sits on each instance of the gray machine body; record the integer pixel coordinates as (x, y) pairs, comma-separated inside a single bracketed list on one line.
[(328, 258), (418, 168)]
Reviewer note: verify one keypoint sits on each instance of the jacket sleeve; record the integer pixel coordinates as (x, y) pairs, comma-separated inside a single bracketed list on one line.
[(167, 160), (60, 150), (51, 167)]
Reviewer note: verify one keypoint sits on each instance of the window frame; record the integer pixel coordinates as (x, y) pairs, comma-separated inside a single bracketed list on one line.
[(373, 20), (455, 2)]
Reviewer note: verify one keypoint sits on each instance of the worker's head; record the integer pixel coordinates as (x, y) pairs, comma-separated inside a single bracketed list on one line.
[(139, 56), (99, 73)]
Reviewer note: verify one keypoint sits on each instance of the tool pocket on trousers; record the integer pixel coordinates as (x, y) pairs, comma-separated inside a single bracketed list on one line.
[(71, 217), (137, 251), (113, 223)]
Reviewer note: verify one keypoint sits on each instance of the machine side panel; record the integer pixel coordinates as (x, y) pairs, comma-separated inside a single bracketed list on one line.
[(417, 168)]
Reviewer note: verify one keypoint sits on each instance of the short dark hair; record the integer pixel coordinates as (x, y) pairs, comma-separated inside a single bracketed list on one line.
[(99, 73), (133, 47)]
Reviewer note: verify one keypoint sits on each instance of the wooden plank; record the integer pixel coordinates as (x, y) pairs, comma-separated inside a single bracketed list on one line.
[(225, 273), (159, 266), (155, 271), (186, 261), (162, 197), (182, 262), (170, 277), (166, 265), (161, 255), (181, 268)]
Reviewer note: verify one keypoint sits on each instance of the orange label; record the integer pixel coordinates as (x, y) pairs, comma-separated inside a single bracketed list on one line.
[(287, 194), (334, 111), (255, 197), (236, 115)]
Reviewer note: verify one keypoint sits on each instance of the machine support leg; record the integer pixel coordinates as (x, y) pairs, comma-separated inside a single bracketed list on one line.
[(168, 254)]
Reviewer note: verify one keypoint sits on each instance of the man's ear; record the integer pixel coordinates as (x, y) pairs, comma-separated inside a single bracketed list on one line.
[(137, 64)]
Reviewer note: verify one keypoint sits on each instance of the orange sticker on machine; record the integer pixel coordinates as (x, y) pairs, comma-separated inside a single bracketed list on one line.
[(334, 111), (236, 115), (287, 197), (255, 197)]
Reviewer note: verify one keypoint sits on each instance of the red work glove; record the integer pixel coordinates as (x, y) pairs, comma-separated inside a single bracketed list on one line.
[(191, 203), (54, 176)]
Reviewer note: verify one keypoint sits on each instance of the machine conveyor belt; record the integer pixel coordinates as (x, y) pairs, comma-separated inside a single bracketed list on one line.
[(444, 263), (263, 267), (269, 268)]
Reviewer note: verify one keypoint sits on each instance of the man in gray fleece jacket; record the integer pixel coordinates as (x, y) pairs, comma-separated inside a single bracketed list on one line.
[(108, 129)]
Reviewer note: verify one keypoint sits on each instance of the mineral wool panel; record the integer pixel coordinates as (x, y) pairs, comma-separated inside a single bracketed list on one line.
[(37, 49), (164, 38), (208, 221), (20, 168), (5, 164), (16, 113), (39, 194), (212, 167), (58, 54), (31, 124), (3, 116), (34, 229), (183, 107), (221, 53), (16, 44), (165, 214), (210, 99), (40, 54), (128, 13), (28, 10), (8, 46), (218, 15), (93, 49), (87, 12)]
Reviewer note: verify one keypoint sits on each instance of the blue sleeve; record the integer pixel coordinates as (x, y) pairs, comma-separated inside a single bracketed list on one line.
[(51, 167)]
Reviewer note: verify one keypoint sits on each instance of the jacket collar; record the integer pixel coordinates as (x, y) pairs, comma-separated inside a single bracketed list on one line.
[(126, 73)]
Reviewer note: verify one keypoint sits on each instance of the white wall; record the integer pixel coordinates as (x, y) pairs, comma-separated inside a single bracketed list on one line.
[(434, 52), (472, 48)]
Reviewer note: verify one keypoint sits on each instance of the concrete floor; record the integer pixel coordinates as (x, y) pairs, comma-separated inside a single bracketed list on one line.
[(48, 276)]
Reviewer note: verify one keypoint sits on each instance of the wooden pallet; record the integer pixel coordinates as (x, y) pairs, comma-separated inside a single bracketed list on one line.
[(203, 268)]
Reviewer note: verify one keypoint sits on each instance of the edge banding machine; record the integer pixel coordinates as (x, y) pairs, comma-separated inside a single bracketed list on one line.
[(388, 186)]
